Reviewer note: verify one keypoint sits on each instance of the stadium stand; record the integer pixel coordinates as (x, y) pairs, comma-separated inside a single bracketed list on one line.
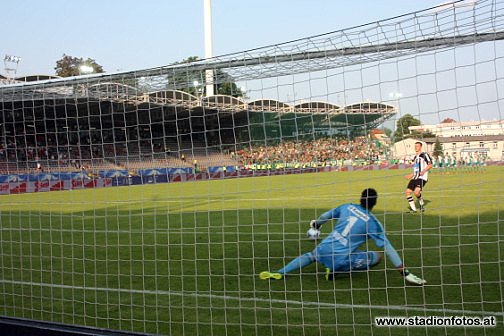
[(142, 155), (319, 150)]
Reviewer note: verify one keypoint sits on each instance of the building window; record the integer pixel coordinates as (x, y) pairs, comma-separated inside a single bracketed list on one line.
[(495, 145), (454, 145), (482, 144)]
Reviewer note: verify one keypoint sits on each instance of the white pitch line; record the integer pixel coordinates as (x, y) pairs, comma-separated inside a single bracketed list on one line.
[(258, 300), (204, 231)]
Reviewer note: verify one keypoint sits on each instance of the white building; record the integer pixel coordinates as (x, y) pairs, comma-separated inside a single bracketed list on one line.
[(458, 139), (462, 129), (491, 146), (404, 150)]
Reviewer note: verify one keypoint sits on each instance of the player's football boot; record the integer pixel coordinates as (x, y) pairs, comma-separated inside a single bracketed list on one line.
[(329, 275), (413, 279), (270, 275)]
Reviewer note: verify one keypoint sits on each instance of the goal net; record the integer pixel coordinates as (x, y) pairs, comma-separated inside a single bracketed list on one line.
[(137, 202)]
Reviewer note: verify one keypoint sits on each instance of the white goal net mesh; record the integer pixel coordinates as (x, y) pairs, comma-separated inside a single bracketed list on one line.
[(136, 202)]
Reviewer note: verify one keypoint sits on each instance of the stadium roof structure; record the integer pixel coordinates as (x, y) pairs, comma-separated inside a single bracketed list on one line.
[(24, 79), (397, 38), (325, 114), (35, 78), (4, 80)]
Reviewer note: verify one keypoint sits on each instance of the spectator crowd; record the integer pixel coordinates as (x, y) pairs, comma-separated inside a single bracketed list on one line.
[(323, 150), (70, 151)]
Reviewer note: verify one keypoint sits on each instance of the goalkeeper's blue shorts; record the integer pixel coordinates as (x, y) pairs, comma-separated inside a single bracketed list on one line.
[(358, 260)]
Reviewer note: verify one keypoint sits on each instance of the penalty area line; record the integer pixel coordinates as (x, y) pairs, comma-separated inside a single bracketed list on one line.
[(258, 300)]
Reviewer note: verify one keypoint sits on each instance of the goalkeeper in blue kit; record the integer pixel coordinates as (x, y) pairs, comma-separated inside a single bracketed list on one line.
[(339, 251)]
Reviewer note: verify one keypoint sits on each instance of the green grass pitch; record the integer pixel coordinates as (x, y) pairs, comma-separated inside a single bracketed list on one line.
[(183, 258)]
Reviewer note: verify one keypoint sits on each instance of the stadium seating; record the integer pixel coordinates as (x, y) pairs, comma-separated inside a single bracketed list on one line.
[(145, 155)]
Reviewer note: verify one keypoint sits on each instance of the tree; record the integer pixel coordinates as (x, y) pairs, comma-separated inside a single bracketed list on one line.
[(193, 81), (387, 131), (402, 125), (438, 149), (69, 66), (423, 135), (227, 85), (448, 121)]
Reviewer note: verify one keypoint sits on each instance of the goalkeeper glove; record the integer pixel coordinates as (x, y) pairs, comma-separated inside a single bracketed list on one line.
[(412, 278), (313, 224)]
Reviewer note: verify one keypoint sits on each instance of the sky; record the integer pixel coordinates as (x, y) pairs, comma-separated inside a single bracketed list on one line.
[(124, 35)]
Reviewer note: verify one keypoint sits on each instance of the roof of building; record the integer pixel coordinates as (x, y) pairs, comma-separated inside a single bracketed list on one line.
[(465, 138), (456, 124)]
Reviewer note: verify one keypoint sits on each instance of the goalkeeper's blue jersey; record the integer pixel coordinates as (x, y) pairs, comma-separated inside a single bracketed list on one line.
[(355, 225)]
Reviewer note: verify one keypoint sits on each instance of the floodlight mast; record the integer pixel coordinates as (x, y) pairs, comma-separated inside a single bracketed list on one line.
[(11, 64), (209, 75)]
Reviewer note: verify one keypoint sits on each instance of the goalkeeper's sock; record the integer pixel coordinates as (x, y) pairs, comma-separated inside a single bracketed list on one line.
[(298, 263), (411, 203)]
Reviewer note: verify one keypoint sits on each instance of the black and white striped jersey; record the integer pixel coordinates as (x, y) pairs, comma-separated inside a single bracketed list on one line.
[(421, 161)]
